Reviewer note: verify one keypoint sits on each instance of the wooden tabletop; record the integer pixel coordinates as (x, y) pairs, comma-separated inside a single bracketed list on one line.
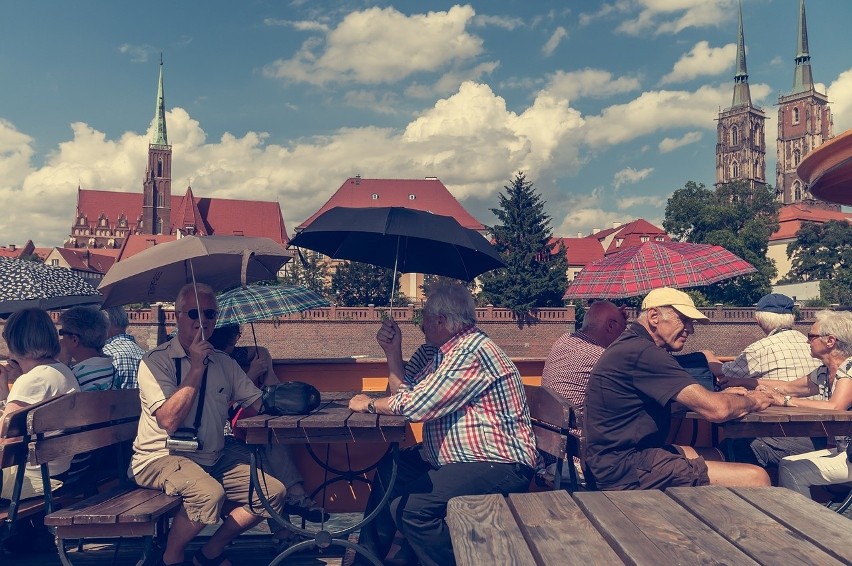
[(699, 525), (786, 421), (331, 422)]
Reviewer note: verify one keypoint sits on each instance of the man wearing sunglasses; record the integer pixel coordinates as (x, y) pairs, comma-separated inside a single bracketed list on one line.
[(180, 446)]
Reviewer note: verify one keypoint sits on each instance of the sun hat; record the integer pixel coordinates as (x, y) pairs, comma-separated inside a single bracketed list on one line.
[(678, 300), (775, 302)]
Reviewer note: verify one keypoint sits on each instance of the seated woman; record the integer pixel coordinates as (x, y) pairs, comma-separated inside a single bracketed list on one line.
[(257, 363), (32, 367), (831, 341)]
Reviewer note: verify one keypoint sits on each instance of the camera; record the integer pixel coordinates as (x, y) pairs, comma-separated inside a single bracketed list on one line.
[(184, 440)]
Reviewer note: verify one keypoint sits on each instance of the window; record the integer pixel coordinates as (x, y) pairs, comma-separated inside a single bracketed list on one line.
[(735, 170), (797, 190), (644, 239), (797, 156), (54, 262), (795, 115), (411, 197), (659, 239), (160, 167), (735, 136), (618, 242), (374, 196)]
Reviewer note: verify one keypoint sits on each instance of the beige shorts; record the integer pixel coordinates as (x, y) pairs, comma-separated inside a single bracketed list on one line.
[(204, 489)]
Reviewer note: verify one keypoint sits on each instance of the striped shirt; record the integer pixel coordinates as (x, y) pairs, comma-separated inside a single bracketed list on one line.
[(94, 374), (470, 397), (784, 355), (126, 355)]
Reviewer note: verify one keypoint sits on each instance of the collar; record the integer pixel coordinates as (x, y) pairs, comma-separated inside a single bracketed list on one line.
[(586, 338), (121, 336), (456, 338), (778, 331)]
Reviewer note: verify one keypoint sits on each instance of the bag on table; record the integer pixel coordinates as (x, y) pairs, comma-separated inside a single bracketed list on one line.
[(285, 398)]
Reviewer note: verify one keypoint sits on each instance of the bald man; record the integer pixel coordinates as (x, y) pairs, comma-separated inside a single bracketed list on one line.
[(570, 361)]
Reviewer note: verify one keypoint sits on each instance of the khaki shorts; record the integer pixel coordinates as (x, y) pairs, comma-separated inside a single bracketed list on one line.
[(659, 468), (204, 489)]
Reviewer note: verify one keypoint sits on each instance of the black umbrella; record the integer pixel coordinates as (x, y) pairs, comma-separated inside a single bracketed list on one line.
[(403, 239), (26, 284)]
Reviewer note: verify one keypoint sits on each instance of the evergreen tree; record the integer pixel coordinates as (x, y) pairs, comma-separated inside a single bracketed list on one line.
[(739, 219), (535, 273), (356, 284), (307, 270)]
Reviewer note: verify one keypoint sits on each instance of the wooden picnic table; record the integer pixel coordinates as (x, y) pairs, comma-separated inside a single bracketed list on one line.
[(685, 525), (331, 423), (784, 421)]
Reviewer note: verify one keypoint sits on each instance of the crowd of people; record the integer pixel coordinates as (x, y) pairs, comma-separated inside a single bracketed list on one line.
[(622, 377)]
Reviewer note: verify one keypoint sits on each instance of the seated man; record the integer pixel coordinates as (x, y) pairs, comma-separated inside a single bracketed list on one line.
[(784, 354), (628, 405), (186, 384), (122, 348), (831, 343), (83, 333), (477, 436)]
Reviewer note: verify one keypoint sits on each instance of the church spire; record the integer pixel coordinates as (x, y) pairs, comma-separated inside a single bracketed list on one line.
[(161, 137), (802, 79), (742, 93)]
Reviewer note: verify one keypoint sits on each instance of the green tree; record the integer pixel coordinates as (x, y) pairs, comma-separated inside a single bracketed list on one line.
[(308, 270), (356, 284), (823, 252), (535, 272), (736, 217)]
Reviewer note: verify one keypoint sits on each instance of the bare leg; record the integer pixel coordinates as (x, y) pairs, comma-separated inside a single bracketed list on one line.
[(181, 533), (731, 474), (237, 522)]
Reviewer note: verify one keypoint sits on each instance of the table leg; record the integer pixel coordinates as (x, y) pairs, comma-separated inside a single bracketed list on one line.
[(324, 538)]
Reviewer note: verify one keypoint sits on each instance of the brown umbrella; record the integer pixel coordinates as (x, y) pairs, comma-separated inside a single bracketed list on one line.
[(158, 273)]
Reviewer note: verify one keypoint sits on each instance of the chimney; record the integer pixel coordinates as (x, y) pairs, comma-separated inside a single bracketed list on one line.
[(595, 230), (358, 179), (616, 224), (11, 247), (579, 234)]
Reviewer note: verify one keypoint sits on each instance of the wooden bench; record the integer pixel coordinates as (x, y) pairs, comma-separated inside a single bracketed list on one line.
[(83, 422), (552, 418)]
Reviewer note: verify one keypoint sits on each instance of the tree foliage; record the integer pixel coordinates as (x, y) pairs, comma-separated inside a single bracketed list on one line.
[(736, 217), (308, 270), (535, 275), (823, 252), (356, 284)]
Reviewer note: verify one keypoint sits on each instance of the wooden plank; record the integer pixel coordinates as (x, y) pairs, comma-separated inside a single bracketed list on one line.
[(13, 451), (821, 526), (788, 428), (484, 531), (14, 423), (551, 442), (107, 531), (151, 509), (83, 409), (548, 407), (107, 512), (646, 527), (753, 531), (67, 445), (557, 531), (66, 516)]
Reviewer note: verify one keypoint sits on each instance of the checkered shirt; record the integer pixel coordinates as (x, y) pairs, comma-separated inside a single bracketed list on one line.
[(470, 397), (784, 355), (125, 354), (569, 364)]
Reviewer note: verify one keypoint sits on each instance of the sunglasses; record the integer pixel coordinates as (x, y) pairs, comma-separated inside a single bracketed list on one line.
[(209, 314), (63, 332), (812, 336)]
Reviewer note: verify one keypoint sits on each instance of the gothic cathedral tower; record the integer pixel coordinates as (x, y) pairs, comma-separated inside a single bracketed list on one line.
[(804, 122), (157, 185), (740, 133)]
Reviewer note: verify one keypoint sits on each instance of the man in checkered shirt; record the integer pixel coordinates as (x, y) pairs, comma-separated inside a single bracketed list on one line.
[(784, 355), (122, 348)]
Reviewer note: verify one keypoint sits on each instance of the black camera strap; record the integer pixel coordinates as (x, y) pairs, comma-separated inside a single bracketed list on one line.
[(201, 392)]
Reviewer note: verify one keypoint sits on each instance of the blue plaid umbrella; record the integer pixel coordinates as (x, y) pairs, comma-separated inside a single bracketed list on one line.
[(263, 302)]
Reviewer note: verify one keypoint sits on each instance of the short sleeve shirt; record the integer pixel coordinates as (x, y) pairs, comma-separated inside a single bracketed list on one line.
[(226, 384), (628, 405)]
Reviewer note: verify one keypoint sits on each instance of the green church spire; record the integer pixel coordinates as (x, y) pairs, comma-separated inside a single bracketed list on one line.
[(803, 80), (742, 93), (161, 137)]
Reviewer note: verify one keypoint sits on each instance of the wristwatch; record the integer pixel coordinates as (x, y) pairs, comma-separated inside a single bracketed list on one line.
[(371, 406), (787, 400)]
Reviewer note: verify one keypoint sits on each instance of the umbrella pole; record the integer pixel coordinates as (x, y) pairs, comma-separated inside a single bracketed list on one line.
[(253, 337), (195, 289), (393, 281)]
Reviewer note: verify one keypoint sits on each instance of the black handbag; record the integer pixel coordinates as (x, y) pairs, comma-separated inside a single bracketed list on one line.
[(290, 398)]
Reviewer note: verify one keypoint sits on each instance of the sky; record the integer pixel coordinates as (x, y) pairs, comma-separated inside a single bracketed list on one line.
[(607, 107)]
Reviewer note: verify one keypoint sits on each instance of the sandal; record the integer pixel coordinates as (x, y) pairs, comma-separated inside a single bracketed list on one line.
[(201, 560)]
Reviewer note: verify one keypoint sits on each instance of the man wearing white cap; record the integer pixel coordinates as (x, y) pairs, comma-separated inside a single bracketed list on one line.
[(628, 405)]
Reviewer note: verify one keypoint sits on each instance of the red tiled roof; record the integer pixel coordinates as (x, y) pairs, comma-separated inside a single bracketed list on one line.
[(627, 235), (15, 251), (187, 214), (580, 251), (136, 243), (224, 217), (88, 260), (429, 194), (792, 216)]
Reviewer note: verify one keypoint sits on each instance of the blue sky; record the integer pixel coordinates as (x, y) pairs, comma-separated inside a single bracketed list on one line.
[(608, 107)]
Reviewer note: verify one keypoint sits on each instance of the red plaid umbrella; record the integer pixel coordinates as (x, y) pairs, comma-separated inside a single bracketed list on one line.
[(639, 269)]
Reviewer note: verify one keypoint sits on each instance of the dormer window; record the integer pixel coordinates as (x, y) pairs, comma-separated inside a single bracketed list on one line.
[(644, 239), (659, 239), (374, 196), (411, 197), (618, 242)]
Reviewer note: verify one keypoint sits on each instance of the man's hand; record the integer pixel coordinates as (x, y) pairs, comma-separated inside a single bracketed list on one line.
[(735, 390), (389, 336), (257, 369), (199, 350), (747, 382), (359, 403), (762, 399)]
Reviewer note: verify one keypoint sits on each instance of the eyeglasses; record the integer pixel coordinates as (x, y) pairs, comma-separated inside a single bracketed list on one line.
[(209, 314), (63, 332), (812, 336)]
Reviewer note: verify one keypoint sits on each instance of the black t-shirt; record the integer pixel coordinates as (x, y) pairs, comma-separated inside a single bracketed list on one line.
[(628, 405)]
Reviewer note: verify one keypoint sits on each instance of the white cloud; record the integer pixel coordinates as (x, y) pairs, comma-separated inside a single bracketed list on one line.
[(450, 81), (702, 60), (629, 203), (840, 95), (671, 144), (605, 10), (553, 42), (505, 22), (382, 45), (137, 53), (589, 83), (630, 175), (301, 25), (470, 140), (671, 17)]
